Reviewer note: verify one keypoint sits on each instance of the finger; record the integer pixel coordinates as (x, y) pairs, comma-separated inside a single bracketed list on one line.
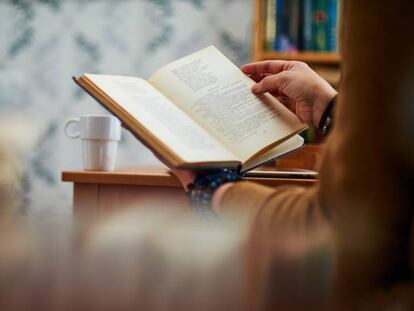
[(267, 66), (272, 83), (257, 77)]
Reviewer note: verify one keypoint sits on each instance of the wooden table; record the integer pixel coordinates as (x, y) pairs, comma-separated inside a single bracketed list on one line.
[(103, 193)]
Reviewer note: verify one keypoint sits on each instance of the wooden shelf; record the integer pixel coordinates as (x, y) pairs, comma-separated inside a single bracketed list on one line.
[(322, 58)]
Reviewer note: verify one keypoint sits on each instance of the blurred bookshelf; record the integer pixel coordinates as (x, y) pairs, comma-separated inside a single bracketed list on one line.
[(302, 30)]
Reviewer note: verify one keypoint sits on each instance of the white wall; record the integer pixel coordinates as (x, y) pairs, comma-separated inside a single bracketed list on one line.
[(43, 44)]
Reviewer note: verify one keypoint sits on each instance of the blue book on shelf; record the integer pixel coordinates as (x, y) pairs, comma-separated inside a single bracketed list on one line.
[(287, 25), (332, 25), (307, 25), (278, 46)]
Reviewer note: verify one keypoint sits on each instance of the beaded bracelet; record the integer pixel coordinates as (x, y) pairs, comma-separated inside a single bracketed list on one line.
[(202, 190)]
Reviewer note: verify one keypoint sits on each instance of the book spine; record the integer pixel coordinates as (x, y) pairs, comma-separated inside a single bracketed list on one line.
[(319, 25), (270, 24), (332, 25), (307, 25), (280, 36), (285, 9), (338, 22), (293, 25)]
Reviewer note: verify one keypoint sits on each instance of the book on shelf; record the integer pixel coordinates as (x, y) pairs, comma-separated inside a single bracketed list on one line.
[(270, 27), (333, 22), (320, 25), (301, 25), (287, 25), (199, 112), (306, 25)]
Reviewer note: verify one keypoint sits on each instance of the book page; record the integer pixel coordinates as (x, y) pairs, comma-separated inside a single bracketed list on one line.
[(218, 95), (164, 120)]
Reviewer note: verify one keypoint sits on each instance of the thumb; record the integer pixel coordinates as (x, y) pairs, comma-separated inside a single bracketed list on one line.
[(275, 83), (186, 177)]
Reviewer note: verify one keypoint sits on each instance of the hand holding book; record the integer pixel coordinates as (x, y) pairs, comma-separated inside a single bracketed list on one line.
[(295, 84)]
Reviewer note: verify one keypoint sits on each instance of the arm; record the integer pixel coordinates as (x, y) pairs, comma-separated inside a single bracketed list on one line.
[(284, 207)]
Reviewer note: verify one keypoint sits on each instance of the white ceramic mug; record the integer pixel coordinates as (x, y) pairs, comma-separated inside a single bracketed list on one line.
[(100, 135)]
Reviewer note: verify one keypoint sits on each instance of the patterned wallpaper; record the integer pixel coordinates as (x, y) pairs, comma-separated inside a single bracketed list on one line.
[(43, 43)]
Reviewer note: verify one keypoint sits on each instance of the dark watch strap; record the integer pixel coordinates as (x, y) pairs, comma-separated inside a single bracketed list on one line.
[(325, 124), (202, 190)]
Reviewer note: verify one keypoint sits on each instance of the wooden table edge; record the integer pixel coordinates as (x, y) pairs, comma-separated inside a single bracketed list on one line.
[(122, 178), (159, 178)]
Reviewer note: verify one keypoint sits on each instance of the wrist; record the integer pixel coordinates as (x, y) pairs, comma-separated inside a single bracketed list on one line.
[(321, 103), (326, 120), (218, 195), (204, 187)]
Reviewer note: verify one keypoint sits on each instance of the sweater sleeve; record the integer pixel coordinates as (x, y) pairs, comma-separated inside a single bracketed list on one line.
[(292, 207)]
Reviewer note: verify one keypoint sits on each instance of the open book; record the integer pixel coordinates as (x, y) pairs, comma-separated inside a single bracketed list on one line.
[(199, 112)]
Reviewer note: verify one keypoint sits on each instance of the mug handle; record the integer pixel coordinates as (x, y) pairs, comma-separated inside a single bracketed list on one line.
[(68, 123)]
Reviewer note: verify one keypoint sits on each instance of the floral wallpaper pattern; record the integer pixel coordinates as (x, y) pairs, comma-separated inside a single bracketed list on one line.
[(45, 42)]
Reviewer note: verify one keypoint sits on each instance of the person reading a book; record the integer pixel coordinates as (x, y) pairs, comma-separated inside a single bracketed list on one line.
[(199, 112), (364, 194)]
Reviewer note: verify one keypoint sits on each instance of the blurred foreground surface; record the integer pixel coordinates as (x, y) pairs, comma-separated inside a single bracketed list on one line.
[(157, 261)]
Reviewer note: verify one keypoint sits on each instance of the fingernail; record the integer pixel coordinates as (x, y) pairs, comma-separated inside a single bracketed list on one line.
[(255, 88)]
